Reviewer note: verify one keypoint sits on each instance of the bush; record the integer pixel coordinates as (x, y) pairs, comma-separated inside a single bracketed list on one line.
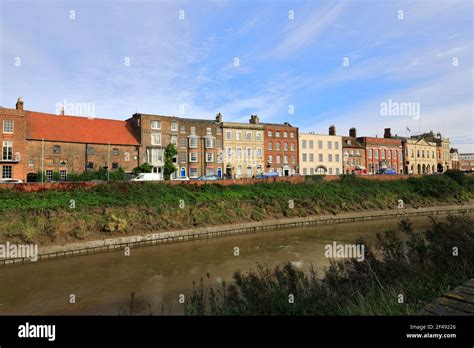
[(456, 175)]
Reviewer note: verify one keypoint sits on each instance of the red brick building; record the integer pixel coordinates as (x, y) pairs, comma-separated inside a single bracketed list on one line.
[(383, 152), (280, 148), (12, 140), (353, 154)]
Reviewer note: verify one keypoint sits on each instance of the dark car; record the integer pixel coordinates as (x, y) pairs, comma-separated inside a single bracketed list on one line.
[(386, 171)]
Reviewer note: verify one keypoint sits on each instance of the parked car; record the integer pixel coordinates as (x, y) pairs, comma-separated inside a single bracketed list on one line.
[(148, 177), (386, 171), (10, 181), (208, 177), (268, 175), (181, 178)]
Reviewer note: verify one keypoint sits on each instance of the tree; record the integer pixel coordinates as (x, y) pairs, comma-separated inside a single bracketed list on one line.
[(169, 167), (144, 168)]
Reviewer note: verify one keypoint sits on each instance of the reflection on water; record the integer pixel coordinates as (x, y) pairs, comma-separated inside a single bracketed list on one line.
[(102, 283)]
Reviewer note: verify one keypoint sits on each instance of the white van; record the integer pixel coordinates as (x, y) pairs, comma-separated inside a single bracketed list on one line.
[(148, 177)]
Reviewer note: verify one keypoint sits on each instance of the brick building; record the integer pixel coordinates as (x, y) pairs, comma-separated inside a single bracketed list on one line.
[(353, 154), (466, 162), (12, 139), (383, 152), (455, 164), (280, 148)]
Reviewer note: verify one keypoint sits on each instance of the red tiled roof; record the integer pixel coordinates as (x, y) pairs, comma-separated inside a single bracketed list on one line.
[(76, 129)]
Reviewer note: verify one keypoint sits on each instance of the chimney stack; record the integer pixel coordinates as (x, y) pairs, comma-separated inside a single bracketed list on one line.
[(254, 119), (332, 130), (387, 133), (19, 104), (353, 132), (219, 117), (62, 111)]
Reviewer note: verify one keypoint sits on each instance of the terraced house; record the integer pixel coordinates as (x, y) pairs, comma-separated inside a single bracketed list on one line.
[(320, 154), (281, 148), (243, 147)]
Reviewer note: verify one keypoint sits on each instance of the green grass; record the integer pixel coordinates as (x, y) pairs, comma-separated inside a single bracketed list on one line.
[(150, 207)]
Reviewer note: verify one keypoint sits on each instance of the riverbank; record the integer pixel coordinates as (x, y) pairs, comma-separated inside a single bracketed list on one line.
[(121, 209), (112, 244)]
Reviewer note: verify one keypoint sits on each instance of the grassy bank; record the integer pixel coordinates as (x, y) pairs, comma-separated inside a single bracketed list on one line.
[(401, 273), (125, 209)]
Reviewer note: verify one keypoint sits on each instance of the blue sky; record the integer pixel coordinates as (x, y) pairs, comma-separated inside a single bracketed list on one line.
[(185, 67)]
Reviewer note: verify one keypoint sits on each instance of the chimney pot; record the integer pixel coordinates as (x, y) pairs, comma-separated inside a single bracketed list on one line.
[(353, 132), (219, 117), (387, 133), (19, 104), (332, 130)]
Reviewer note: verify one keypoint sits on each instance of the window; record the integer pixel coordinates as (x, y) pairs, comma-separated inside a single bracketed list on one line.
[(228, 135), (219, 157), (270, 133), (277, 145), (182, 157), (303, 144), (285, 146), (208, 131), (193, 142), (258, 136), (219, 143), (154, 156), (330, 157), (311, 157), (193, 172), (258, 152), (249, 152), (320, 144), (7, 172), (49, 175), (285, 159), (174, 140), (7, 150), (285, 134), (376, 154), (270, 146), (277, 134), (389, 155), (90, 150), (115, 165), (383, 154), (330, 171), (49, 161), (311, 144), (182, 142), (182, 129), (277, 159), (228, 152), (155, 139), (337, 171), (115, 152), (89, 165), (155, 124), (63, 174), (292, 146), (192, 130), (394, 154), (305, 157), (209, 143), (336, 157), (370, 153), (210, 157), (248, 136), (293, 159), (7, 126), (292, 134), (174, 126), (210, 171), (238, 151), (330, 145), (238, 136), (270, 159), (304, 171), (31, 163), (311, 171), (320, 157), (193, 157)]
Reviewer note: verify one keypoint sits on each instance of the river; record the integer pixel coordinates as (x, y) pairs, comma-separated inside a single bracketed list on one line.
[(102, 283)]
